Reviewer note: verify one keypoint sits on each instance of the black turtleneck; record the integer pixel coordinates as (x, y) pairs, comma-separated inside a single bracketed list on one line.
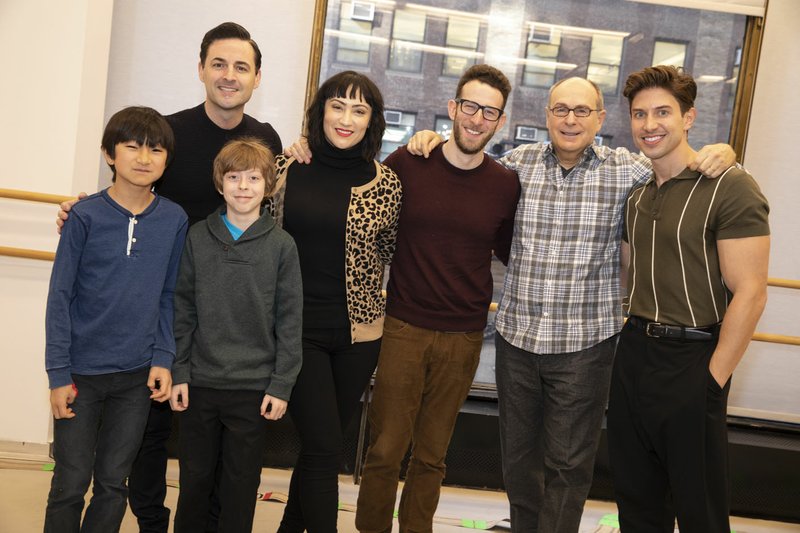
[(188, 180), (315, 213)]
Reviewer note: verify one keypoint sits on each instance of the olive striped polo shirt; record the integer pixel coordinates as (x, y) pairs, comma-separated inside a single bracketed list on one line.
[(674, 275)]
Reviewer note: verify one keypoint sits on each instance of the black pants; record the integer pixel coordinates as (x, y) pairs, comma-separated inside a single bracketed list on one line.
[(225, 427), (147, 483), (325, 396), (667, 436)]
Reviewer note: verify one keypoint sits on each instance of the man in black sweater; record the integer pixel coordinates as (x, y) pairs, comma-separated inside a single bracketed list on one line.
[(230, 69)]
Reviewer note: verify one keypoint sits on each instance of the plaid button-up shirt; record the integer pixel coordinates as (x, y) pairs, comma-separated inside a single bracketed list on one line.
[(562, 288)]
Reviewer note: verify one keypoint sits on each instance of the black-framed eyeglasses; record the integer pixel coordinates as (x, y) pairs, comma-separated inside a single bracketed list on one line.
[(562, 111), (469, 107)]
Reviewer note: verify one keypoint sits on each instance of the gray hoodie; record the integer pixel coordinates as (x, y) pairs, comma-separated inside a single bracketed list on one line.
[(238, 308)]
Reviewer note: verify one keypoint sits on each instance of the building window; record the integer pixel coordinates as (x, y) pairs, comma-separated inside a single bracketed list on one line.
[(603, 140), (400, 126), (443, 126), (462, 35), (354, 20), (530, 134), (604, 62), (408, 34), (669, 53), (541, 55)]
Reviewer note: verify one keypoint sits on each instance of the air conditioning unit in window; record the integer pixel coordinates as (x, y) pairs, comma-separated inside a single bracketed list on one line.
[(530, 134), (540, 34), (362, 11), (394, 118)]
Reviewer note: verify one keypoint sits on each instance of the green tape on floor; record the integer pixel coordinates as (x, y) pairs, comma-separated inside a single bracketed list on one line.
[(474, 524), (49, 467), (611, 520)]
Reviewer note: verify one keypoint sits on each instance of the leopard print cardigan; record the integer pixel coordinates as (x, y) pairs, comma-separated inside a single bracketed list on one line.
[(371, 229)]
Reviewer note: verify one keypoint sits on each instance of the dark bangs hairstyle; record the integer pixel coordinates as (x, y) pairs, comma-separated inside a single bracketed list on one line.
[(143, 125), (245, 153), (674, 80), (347, 84), (228, 30)]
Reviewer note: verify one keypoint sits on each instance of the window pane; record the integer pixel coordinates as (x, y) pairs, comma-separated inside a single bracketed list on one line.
[(456, 65), (540, 68), (443, 126), (353, 50), (404, 57), (667, 53), (463, 33), (409, 26)]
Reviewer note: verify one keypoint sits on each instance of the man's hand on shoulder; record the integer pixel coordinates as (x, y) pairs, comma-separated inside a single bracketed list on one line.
[(299, 150), (714, 159), (423, 142), (65, 208)]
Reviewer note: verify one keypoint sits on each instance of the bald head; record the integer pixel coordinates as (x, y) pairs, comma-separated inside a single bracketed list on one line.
[(575, 83)]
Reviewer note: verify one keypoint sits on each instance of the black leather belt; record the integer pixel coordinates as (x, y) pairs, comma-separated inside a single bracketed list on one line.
[(657, 329)]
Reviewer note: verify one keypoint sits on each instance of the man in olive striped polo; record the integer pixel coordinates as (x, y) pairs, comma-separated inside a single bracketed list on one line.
[(697, 251)]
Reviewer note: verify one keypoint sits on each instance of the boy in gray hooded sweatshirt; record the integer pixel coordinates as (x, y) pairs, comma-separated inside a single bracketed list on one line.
[(238, 313)]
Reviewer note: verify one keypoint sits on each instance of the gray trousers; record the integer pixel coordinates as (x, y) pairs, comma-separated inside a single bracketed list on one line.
[(551, 411)]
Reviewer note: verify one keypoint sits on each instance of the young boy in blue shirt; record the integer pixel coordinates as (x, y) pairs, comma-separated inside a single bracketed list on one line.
[(238, 313), (109, 336)]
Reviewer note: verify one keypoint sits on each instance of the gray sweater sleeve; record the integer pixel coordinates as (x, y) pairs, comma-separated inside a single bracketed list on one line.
[(185, 316), (288, 323)]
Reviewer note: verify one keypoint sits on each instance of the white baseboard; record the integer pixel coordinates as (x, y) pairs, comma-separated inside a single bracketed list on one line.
[(25, 451)]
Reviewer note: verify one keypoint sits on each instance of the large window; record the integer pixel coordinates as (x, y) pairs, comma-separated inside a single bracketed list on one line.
[(408, 33), (669, 53), (604, 62), (541, 55), (461, 41), (418, 49)]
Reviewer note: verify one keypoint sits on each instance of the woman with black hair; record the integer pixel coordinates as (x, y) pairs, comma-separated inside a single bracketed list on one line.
[(342, 211)]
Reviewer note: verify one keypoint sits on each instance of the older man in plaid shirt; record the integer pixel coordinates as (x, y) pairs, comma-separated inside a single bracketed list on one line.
[(561, 310)]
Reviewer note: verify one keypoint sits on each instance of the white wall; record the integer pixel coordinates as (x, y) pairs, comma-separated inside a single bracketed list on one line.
[(767, 378), (53, 94), (66, 73)]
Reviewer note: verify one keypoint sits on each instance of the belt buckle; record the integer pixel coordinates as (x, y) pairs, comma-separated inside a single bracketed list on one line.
[(650, 327)]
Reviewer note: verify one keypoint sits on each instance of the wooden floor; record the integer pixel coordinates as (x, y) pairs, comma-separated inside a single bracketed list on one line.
[(24, 485)]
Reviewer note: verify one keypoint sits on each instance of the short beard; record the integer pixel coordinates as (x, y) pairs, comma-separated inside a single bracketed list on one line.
[(465, 149)]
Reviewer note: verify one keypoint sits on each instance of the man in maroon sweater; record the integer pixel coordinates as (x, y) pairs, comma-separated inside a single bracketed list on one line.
[(458, 208)]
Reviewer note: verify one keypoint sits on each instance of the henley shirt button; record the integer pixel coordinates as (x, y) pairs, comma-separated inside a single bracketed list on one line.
[(133, 240), (545, 314)]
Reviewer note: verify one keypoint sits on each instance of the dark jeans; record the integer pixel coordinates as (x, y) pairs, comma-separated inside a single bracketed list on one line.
[(334, 375), (667, 436), (147, 483), (222, 435), (551, 412), (423, 378), (99, 444)]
